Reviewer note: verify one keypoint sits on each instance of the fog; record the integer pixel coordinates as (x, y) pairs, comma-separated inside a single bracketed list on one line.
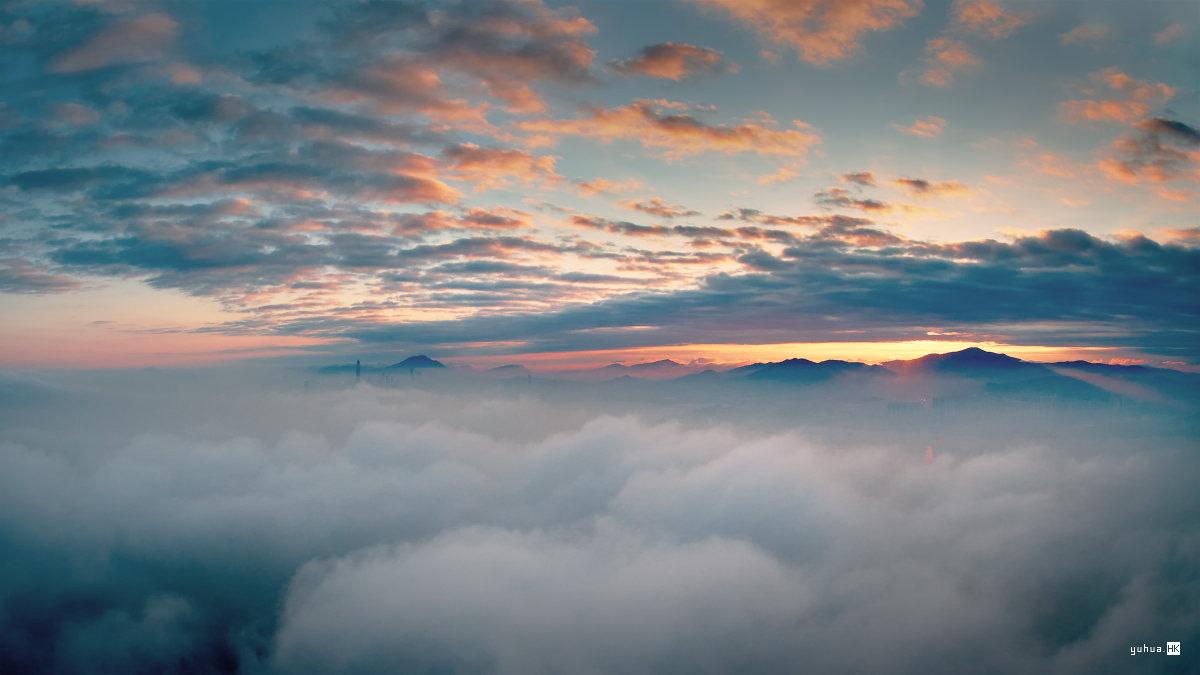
[(262, 520)]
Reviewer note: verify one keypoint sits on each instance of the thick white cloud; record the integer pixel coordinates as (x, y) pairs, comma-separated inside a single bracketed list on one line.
[(207, 523)]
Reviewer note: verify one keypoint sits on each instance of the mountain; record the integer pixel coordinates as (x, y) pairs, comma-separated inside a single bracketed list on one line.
[(967, 374), (653, 370), (1102, 368), (804, 370), (970, 361), (791, 371), (418, 362), (663, 364), (508, 371)]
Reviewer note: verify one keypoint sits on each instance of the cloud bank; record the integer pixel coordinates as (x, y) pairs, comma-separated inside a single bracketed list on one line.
[(201, 522)]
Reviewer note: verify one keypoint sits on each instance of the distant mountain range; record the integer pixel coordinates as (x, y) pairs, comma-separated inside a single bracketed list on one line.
[(970, 371), (803, 370)]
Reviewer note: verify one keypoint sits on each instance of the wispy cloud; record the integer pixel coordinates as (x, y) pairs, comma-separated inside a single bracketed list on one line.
[(1085, 33), (1126, 99), (819, 32), (925, 127), (665, 126)]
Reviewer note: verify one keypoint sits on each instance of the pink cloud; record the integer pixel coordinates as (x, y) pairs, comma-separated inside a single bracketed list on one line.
[(945, 58), (820, 31), (655, 124), (926, 127), (490, 168), (1125, 98), (137, 40), (603, 186), (987, 17), (656, 206), (670, 61)]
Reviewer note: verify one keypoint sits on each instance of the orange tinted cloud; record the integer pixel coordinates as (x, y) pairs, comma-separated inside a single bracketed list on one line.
[(944, 59), (1049, 163), (508, 50), (670, 61), (820, 31), (781, 175), (655, 124), (920, 187), (603, 186), (1128, 99), (397, 85), (490, 168), (927, 127), (1161, 150), (987, 17)]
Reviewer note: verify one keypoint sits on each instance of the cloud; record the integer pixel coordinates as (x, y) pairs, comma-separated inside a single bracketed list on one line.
[(1129, 99), (1160, 150), (655, 206), (508, 45), (781, 175), (18, 275), (491, 168), (137, 40), (986, 17), (840, 197), (604, 186), (658, 125), (394, 56), (1085, 32), (926, 127), (946, 58), (862, 178), (820, 32), (919, 186), (399, 84), (671, 61), (237, 521), (74, 114), (620, 226), (1169, 34), (580, 593), (849, 275)]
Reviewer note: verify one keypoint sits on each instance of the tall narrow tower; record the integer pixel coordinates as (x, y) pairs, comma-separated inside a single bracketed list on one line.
[(357, 370)]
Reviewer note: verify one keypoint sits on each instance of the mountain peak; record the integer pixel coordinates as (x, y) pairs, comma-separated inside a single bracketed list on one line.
[(418, 361), (971, 359), (974, 356), (647, 365)]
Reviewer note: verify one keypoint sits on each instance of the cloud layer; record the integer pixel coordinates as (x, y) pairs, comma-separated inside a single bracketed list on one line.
[(243, 523)]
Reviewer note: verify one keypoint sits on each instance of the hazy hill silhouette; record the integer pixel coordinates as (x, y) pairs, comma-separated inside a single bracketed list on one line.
[(804, 370), (970, 372), (418, 362), (970, 361)]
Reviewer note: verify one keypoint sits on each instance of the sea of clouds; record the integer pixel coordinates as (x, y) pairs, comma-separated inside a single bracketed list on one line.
[(248, 522)]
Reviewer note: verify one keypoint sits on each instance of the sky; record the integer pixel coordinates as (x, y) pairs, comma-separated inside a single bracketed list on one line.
[(589, 182)]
